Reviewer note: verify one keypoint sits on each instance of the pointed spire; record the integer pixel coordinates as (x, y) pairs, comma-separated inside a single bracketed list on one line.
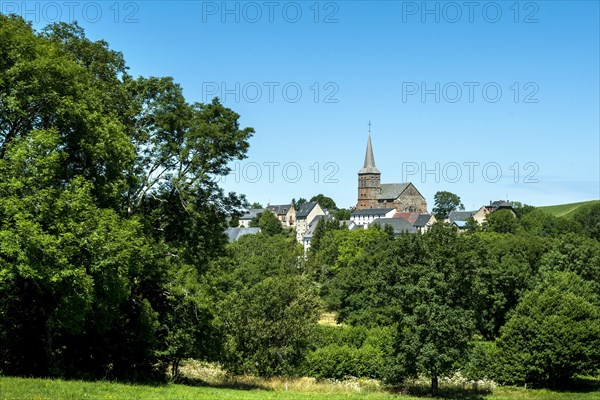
[(369, 166)]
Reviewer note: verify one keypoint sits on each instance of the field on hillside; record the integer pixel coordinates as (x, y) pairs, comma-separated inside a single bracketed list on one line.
[(566, 210), (46, 389)]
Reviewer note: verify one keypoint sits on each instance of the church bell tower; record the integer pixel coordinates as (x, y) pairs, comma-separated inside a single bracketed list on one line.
[(369, 181)]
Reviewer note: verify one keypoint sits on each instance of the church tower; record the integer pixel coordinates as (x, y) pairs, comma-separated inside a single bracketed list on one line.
[(369, 181)]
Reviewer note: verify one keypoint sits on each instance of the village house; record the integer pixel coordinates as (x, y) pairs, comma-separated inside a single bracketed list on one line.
[(364, 217), (460, 218), (246, 218), (286, 213), (304, 216)]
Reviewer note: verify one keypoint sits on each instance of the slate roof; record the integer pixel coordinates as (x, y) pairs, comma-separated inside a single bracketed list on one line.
[(372, 211), (305, 209), (391, 191), (422, 220), (281, 209), (313, 225), (252, 213), (499, 204), (460, 215), (234, 234), (369, 165), (398, 224)]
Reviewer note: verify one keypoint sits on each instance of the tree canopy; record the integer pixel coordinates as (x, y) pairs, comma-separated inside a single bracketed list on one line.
[(446, 202)]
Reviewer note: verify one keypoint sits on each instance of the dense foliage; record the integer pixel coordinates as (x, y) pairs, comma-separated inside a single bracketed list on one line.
[(109, 210), (114, 264)]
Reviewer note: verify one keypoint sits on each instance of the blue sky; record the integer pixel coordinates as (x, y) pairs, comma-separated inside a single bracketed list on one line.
[(489, 100)]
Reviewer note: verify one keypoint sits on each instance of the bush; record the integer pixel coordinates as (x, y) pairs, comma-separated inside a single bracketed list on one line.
[(482, 361), (553, 334), (268, 327), (343, 351), (341, 361)]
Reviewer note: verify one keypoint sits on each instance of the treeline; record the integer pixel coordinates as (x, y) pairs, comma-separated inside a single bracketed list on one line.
[(515, 300)]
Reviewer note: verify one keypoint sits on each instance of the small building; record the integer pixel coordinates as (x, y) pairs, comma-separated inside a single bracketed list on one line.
[(366, 216), (424, 222), (246, 218), (286, 213), (500, 205), (304, 216)]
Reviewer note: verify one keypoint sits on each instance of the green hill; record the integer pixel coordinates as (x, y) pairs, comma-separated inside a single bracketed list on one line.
[(566, 210)]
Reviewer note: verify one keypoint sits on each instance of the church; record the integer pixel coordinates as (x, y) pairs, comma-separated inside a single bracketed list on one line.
[(404, 197)]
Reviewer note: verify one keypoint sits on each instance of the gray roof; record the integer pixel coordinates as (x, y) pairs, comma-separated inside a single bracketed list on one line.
[(252, 213), (422, 220), (305, 209), (500, 204), (313, 225), (398, 224), (460, 215), (392, 190), (234, 234), (280, 209), (369, 165), (372, 211)]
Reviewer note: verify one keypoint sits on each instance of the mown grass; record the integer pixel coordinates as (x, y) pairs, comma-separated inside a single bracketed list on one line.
[(48, 389), (566, 210)]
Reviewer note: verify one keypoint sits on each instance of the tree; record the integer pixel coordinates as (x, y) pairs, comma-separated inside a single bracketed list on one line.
[(342, 214), (108, 202), (324, 201), (501, 221), (540, 223), (298, 203), (324, 225), (268, 326), (446, 202), (589, 218), (269, 223), (434, 318), (256, 206), (553, 334), (510, 268)]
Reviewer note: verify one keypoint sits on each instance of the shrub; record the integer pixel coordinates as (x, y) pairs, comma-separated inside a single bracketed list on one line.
[(482, 361), (553, 334), (341, 361)]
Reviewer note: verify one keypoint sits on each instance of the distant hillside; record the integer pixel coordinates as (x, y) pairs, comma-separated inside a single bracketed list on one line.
[(566, 210)]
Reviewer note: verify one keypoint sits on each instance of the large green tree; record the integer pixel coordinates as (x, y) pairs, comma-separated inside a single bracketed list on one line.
[(109, 208), (268, 326), (446, 202), (553, 335), (434, 318), (324, 201)]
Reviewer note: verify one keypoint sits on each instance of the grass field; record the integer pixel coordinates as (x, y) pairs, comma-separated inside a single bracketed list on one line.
[(566, 210), (46, 389)]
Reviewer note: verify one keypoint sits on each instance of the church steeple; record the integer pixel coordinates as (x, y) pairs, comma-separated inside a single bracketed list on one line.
[(369, 181), (369, 165)]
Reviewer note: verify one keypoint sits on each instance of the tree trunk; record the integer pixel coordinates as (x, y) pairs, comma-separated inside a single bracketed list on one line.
[(434, 384)]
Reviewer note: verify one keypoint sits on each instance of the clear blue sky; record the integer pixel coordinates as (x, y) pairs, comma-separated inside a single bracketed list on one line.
[(426, 74)]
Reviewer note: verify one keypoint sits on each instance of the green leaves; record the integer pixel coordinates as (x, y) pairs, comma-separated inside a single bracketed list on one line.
[(553, 334), (268, 326)]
